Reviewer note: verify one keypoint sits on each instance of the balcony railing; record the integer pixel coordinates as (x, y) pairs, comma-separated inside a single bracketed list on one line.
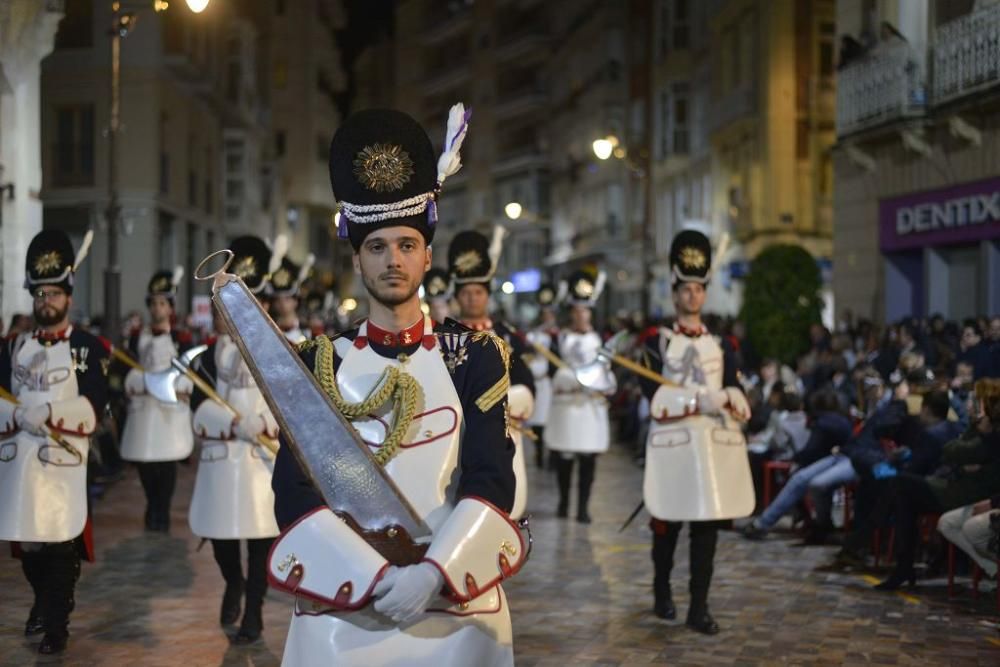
[(888, 83), (967, 54)]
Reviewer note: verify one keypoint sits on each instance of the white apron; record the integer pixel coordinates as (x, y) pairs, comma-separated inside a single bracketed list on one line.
[(578, 419), (539, 367), (156, 431), (696, 467), (43, 489), (232, 491), (426, 471)]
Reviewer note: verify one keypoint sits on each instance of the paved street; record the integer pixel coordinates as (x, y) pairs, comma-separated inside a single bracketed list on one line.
[(582, 599)]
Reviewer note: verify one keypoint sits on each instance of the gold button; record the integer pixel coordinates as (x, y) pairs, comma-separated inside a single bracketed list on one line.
[(392, 532), (463, 606), (428, 433)]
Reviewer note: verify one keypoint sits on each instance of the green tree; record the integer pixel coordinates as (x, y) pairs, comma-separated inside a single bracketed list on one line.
[(781, 301)]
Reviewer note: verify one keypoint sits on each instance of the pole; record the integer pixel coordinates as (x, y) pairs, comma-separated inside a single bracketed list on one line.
[(648, 248), (112, 214)]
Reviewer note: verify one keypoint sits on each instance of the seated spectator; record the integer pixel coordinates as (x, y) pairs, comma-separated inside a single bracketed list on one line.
[(974, 351), (968, 528)]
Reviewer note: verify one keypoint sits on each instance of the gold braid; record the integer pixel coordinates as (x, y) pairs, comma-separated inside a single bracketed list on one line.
[(393, 385)]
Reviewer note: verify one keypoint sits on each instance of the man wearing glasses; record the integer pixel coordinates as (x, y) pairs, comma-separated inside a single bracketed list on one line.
[(54, 391)]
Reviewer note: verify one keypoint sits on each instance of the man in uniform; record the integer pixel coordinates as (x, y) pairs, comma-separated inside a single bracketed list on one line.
[(578, 428), (473, 260), (542, 335), (56, 377), (442, 440), (284, 296), (232, 498), (437, 294), (696, 461), (157, 435)]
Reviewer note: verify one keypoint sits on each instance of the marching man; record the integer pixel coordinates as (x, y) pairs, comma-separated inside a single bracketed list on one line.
[(157, 434), (578, 427), (232, 498), (696, 461), (437, 294), (440, 435), (54, 395), (473, 261), (284, 296), (543, 336)]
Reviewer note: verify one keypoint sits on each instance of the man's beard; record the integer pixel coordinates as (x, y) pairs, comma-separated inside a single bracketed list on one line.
[(47, 315), (386, 297)]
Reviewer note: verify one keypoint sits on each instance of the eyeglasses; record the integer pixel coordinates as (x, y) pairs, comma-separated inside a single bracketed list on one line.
[(47, 295)]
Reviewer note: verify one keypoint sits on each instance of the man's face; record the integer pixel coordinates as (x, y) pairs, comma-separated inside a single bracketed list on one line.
[(995, 329), (284, 306), (50, 305), (160, 309), (689, 298), (473, 300), (580, 317), (391, 262), (969, 337)]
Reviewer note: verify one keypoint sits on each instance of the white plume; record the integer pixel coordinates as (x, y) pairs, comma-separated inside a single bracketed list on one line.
[(451, 161), (496, 247), (81, 254), (602, 277), (278, 252), (306, 267), (561, 292), (175, 280), (720, 253)]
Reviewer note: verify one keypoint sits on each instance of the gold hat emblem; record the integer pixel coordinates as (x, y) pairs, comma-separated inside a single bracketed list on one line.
[(585, 288), (161, 284), (383, 167), (282, 278), (693, 258), (467, 261), (48, 262), (245, 268), (437, 285)]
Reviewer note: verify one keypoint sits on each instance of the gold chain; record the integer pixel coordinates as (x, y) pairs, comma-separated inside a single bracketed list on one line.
[(393, 385)]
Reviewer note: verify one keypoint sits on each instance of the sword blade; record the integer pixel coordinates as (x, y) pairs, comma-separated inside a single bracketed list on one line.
[(328, 448)]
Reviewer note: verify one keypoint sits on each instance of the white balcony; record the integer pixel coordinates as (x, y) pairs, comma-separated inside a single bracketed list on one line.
[(967, 54), (886, 84)]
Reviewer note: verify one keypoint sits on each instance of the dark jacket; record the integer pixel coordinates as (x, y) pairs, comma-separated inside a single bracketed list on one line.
[(829, 430), (974, 460)]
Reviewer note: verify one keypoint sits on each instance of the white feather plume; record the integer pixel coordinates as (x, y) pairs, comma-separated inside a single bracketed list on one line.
[(306, 268), (329, 300), (451, 161), (561, 292), (175, 280), (720, 253), (278, 252), (81, 254), (602, 277), (496, 247)]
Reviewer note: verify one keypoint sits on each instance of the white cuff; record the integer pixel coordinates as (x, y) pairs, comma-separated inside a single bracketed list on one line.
[(7, 423), (74, 415), (212, 421), (321, 558), (671, 403), (476, 548), (521, 402)]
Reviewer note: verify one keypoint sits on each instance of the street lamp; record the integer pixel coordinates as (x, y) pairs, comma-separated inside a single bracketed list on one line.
[(507, 287), (123, 19), (603, 148), (513, 210)]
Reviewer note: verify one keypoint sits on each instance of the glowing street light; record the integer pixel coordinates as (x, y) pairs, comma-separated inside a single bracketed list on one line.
[(513, 210), (507, 287), (605, 148), (197, 6)]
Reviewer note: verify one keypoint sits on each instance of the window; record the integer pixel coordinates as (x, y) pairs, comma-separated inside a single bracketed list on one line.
[(74, 148), (76, 27), (680, 32), (165, 239), (164, 156), (681, 119), (826, 50), (279, 7)]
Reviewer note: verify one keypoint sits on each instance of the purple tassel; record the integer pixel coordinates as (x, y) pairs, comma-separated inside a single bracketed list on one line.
[(432, 212), (342, 227)]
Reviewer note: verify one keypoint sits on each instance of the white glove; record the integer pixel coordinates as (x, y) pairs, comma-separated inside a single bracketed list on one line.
[(183, 385), (738, 405), (33, 419), (135, 382), (712, 401), (405, 592), (248, 428)]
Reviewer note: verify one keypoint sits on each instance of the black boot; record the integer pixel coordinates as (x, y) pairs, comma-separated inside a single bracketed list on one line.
[(588, 462), (896, 579), (166, 480), (704, 536), (61, 575), (33, 566), (564, 473), (539, 446), (147, 475), (227, 555), (664, 542), (253, 619), (702, 621), (53, 644)]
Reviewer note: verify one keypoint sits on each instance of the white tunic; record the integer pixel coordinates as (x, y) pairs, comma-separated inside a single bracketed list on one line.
[(426, 471), (539, 367), (578, 419), (156, 431)]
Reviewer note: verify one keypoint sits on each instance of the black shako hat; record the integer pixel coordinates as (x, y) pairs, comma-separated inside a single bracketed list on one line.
[(437, 284), (473, 258), (384, 173), (288, 278), (164, 283), (546, 295), (690, 258), (253, 261), (584, 289), (51, 259)]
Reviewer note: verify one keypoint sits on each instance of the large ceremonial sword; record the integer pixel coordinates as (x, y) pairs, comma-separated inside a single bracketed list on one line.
[(328, 448)]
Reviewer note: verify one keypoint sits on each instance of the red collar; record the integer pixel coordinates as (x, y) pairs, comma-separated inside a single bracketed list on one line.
[(160, 332), (485, 325), (47, 337), (405, 338), (690, 333)]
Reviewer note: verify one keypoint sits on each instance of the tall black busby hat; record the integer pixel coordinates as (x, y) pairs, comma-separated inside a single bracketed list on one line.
[(437, 284), (690, 258), (583, 288), (254, 261), (384, 172), (164, 283), (51, 259), (546, 295), (288, 278), (473, 258)]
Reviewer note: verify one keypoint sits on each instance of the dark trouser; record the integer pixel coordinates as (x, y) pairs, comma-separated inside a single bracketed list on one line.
[(703, 537), (564, 470), (52, 572), (539, 445), (757, 461), (872, 504), (912, 497), (158, 481), (227, 555)]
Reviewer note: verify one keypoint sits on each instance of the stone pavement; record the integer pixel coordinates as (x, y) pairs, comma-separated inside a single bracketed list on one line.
[(583, 598)]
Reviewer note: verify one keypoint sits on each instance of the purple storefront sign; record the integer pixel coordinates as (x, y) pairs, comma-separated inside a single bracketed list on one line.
[(966, 213)]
